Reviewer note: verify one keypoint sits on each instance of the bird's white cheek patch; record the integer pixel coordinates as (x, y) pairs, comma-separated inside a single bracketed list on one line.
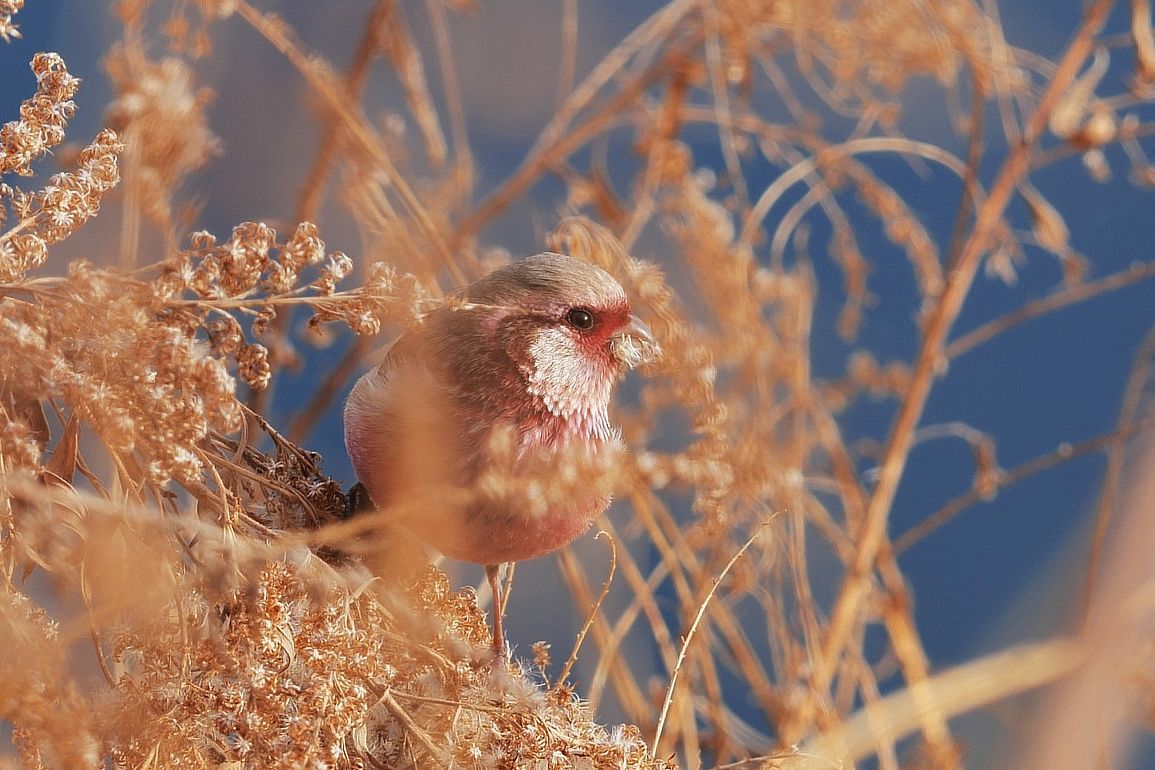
[(566, 380)]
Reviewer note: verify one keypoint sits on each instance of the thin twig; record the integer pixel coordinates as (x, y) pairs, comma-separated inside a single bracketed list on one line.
[(629, 692), (556, 142), (941, 319), (454, 104), (309, 196), (358, 127), (581, 637), (413, 728), (1063, 297), (1006, 478), (569, 45), (692, 631)]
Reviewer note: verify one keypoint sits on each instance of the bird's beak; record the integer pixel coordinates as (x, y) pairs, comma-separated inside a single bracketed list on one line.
[(637, 329), (634, 343)]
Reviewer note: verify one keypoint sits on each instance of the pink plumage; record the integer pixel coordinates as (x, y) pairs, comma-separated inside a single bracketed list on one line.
[(533, 349)]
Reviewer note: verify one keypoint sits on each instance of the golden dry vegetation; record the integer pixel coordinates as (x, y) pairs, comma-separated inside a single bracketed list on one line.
[(164, 598)]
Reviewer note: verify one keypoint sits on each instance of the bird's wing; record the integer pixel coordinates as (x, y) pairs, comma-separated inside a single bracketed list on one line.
[(397, 418)]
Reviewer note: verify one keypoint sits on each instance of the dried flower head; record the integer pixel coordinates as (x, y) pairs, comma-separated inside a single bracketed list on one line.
[(161, 115), (8, 28), (43, 117)]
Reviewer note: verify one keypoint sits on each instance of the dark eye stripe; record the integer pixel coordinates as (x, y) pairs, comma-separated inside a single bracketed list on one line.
[(580, 318)]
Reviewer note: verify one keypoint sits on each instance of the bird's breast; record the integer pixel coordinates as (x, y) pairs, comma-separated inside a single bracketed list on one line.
[(461, 468), (495, 534)]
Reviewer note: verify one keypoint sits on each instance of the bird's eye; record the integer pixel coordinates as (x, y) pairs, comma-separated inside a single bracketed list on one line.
[(580, 318)]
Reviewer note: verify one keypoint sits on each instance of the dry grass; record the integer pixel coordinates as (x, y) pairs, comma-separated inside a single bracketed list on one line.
[(164, 599)]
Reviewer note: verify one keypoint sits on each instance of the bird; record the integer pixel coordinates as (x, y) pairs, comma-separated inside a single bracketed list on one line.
[(513, 373)]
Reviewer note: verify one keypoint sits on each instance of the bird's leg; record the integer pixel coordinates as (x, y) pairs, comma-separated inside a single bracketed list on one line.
[(492, 574)]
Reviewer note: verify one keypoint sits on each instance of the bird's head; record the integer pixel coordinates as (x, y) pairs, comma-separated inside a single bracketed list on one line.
[(567, 325)]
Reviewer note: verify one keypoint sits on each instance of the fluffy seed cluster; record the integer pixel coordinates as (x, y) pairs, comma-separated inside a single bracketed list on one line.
[(50, 215), (273, 675), (252, 268), (148, 387), (515, 478), (43, 116), (8, 28), (253, 276), (89, 344), (883, 43), (161, 115), (36, 220), (39, 687), (246, 654)]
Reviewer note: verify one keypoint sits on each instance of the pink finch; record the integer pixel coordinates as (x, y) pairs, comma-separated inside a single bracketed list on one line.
[(514, 375)]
